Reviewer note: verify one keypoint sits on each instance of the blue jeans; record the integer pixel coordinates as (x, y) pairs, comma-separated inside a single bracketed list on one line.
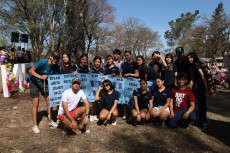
[(173, 123)]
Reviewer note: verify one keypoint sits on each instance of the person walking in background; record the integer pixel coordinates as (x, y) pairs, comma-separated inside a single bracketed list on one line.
[(20, 55)]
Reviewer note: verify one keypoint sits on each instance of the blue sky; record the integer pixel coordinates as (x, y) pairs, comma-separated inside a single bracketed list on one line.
[(157, 13)]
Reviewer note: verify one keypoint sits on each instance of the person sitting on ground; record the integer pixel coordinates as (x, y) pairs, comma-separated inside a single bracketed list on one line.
[(143, 103), (38, 83), (182, 103), (110, 96), (69, 111), (162, 96)]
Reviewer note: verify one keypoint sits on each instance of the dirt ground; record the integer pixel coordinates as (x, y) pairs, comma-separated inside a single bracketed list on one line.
[(16, 134)]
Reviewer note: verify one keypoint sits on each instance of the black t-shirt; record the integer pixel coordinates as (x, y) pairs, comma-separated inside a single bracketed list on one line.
[(82, 69), (142, 99), (108, 70), (197, 77), (160, 98), (168, 75), (129, 67), (93, 70), (142, 72), (66, 69), (109, 99), (183, 67), (149, 71)]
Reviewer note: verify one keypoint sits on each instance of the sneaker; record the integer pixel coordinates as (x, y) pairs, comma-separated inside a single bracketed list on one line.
[(35, 129), (68, 131), (84, 130), (105, 122), (95, 118), (114, 122), (124, 117), (91, 118), (58, 122), (53, 124)]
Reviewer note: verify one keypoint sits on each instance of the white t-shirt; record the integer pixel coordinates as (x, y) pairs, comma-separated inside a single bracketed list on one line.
[(72, 99), (118, 64), (19, 53)]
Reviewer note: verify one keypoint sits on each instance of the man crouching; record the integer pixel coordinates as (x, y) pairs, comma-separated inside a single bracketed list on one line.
[(69, 111)]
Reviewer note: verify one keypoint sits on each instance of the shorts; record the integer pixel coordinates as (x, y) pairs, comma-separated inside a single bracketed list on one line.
[(35, 88), (159, 107), (62, 116)]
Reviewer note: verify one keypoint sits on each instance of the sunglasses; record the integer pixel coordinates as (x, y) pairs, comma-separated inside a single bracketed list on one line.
[(106, 85)]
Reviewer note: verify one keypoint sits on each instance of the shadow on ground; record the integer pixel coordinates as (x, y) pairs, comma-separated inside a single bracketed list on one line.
[(219, 103), (220, 130)]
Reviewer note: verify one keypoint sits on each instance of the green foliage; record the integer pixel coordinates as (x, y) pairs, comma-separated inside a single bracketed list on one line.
[(179, 27)]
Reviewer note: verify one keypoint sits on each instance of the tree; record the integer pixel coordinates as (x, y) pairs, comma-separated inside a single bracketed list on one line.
[(195, 40), (218, 32), (27, 16), (179, 27), (138, 37)]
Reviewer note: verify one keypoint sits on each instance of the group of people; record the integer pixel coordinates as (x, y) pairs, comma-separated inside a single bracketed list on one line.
[(20, 56), (177, 96)]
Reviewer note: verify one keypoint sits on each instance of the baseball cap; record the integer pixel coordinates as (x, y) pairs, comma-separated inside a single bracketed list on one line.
[(180, 49), (55, 54), (76, 80)]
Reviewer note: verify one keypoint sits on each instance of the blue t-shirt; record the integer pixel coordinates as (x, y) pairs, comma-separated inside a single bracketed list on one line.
[(109, 99), (93, 70), (82, 69), (42, 67), (160, 98), (108, 70), (168, 75), (129, 67), (142, 99)]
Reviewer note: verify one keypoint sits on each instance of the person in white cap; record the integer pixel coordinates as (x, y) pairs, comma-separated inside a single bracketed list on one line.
[(69, 111)]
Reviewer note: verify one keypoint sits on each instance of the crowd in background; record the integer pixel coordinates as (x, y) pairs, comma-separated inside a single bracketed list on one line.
[(12, 56)]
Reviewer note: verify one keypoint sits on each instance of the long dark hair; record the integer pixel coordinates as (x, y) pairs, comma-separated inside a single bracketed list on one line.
[(69, 63), (103, 91), (169, 55), (143, 65), (194, 56), (83, 55)]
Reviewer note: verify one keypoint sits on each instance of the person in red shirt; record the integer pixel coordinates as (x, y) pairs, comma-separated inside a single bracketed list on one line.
[(182, 104)]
